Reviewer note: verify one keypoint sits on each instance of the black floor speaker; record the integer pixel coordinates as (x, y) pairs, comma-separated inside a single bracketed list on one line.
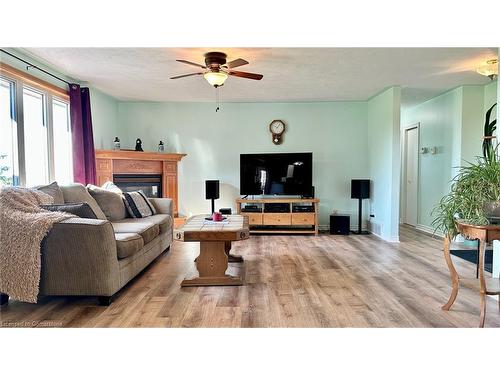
[(340, 224), (212, 191), (360, 189)]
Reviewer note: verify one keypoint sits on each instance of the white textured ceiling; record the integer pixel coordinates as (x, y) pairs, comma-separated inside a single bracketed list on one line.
[(290, 74)]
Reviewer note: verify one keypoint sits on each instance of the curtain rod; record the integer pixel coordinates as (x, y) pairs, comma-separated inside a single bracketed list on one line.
[(30, 65)]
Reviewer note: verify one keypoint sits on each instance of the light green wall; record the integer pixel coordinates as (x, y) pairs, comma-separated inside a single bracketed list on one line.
[(384, 162), (104, 119), (336, 133), (490, 98), (472, 123), (490, 95), (453, 123), (439, 120)]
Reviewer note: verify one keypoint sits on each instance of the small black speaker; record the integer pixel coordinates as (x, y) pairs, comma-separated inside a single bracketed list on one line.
[(212, 189), (340, 224), (360, 189)]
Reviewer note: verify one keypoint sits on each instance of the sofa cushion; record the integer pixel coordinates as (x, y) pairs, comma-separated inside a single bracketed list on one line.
[(164, 221), (82, 210), (53, 190), (128, 244), (148, 231), (111, 203), (138, 205), (77, 193)]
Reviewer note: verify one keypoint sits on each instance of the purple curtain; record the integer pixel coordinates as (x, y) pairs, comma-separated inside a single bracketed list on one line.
[(84, 170)]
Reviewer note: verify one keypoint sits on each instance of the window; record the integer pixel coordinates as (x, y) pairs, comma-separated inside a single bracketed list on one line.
[(63, 156), (35, 138), (9, 175)]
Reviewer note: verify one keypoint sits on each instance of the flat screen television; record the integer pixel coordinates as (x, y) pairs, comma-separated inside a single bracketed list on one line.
[(276, 174)]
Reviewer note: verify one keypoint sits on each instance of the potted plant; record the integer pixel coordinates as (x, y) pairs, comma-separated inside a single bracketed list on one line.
[(475, 191)]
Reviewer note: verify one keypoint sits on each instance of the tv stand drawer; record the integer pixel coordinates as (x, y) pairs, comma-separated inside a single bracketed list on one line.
[(277, 219), (253, 218), (303, 218)]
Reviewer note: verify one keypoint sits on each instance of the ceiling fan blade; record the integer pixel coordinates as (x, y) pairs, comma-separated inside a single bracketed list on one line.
[(192, 63), (187, 75), (245, 75), (236, 63)]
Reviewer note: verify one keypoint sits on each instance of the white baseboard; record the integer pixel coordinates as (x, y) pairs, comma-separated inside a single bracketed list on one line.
[(391, 239), (326, 228), (429, 230)]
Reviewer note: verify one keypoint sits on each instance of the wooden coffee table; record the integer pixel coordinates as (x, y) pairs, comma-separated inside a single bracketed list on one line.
[(487, 286), (215, 243)]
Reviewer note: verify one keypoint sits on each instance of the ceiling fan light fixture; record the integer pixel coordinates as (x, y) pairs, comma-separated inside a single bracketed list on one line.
[(489, 69), (216, 79)]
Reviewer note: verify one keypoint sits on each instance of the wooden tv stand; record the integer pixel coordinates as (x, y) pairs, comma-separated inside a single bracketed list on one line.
[(281, 222)]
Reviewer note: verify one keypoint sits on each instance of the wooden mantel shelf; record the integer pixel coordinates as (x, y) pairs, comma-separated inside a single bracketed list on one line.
[(110, 163), (137, 155)]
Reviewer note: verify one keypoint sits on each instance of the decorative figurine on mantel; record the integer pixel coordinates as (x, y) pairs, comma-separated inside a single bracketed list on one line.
[(116, 144), (161, 147), (138, 145)]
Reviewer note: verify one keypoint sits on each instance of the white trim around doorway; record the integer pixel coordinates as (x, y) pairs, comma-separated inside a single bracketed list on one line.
[(402, 203)]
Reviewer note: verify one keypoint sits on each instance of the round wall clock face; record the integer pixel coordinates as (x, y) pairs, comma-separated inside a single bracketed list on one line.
[(277, 127)]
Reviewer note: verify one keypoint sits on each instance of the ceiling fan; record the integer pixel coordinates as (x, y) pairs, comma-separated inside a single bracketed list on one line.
[(216, 69)]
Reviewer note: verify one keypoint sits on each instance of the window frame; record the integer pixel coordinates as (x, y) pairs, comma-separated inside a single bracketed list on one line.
[(14, 118), (51, 138), (21, 80)]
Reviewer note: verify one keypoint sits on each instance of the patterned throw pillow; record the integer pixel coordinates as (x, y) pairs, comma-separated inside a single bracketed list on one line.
[(138, 204)]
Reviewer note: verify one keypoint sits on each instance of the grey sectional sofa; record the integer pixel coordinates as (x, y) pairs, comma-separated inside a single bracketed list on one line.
[(97, 257)]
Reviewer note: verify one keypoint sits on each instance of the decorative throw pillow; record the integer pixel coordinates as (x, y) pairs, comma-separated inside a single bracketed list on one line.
[(111, 186), (77, 193), (111, 203), (138, 204), (53, 190), (82, 210)]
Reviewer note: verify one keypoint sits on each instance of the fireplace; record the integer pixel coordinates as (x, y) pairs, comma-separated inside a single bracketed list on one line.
[(113, 165), (150, 184)]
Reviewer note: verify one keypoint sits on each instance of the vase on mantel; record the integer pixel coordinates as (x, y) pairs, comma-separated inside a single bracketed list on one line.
[(161, 147)]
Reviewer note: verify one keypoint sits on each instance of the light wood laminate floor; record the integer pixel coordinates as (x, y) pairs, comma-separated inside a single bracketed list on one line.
[(290, 281)]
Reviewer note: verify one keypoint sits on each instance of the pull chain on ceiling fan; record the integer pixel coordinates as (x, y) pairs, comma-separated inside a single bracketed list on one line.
[(218, 94)]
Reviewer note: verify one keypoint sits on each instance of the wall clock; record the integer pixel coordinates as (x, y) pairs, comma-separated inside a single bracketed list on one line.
[(277, 128)]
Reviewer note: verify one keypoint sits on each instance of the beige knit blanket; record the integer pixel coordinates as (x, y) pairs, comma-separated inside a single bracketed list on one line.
[(23, 225)]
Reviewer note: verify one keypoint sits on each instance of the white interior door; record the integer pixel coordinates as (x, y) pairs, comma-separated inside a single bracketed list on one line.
[(411, 149)]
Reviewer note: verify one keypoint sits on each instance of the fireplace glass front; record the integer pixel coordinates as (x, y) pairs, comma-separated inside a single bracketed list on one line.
[(150, 184)]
